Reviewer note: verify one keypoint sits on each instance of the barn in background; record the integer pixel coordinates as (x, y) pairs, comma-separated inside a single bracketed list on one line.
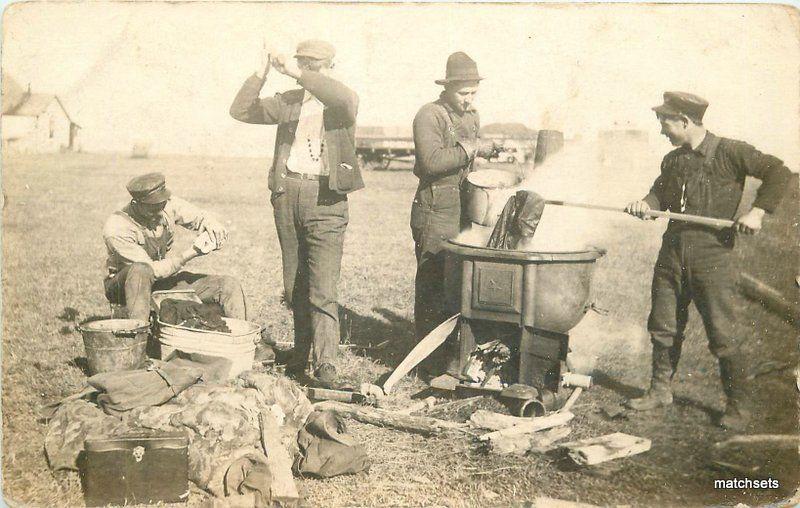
[(35, 122)]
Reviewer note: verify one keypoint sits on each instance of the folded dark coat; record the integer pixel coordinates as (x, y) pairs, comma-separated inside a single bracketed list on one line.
[(128, 389), (518, 221)]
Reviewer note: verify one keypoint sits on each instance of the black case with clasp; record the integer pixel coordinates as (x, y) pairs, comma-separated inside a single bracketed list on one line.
[(135, 468)]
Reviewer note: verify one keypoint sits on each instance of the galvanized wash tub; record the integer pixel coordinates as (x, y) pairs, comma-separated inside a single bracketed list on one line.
[(238, 346)]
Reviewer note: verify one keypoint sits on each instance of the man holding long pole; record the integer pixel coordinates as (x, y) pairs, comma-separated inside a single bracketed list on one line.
[(704, 175)]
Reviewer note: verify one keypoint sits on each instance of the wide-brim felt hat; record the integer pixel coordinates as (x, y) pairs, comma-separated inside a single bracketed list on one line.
[(460, 67)]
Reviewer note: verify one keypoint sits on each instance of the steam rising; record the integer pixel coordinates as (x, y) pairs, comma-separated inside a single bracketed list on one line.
[(611, 174)]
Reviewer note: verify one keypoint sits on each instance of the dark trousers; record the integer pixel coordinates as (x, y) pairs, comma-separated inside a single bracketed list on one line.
[(694, 266), (311, 221), (433, 222), (133, 285)]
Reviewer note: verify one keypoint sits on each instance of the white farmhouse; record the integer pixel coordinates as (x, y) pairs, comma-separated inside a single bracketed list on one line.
[(34, 122)]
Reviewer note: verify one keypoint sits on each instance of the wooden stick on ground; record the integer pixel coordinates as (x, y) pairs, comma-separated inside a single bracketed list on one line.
[(283, 488), (532, 425), (596, 450), (781, 440), (571, 400), (418, 405), (417, 424), (538, 442), (770, 298)]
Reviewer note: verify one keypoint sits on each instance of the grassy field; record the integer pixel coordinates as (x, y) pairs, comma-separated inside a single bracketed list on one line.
[(53, 259)]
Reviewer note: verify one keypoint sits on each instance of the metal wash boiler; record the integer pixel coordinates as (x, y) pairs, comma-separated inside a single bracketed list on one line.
[(528, 300)]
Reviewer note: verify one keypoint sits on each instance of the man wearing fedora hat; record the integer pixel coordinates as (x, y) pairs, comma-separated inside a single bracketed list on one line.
[(138, 239), (704, 175), (313, 169), (445, 145)]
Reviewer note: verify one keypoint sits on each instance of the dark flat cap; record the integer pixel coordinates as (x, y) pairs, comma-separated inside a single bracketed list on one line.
[(150, 188), (682, 103), (314, 48)]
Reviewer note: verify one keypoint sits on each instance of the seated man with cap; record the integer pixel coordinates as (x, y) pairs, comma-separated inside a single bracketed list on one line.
[(138, 239), (704, 175), (314, 167)]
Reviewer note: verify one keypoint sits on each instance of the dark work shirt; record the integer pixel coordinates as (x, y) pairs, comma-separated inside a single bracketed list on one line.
[(438, 128), (709, 182)]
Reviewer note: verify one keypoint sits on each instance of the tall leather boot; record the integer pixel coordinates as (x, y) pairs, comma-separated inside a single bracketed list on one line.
[(733, 374), (660, 392)]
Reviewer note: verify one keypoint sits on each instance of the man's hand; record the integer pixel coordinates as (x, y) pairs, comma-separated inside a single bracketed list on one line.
[(286, 66), (216, 231), (639, 209), (487, 148), (264, 62), (749, 223), (204, 244)]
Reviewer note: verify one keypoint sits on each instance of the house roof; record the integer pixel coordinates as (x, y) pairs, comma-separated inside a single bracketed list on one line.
[(34, 104)]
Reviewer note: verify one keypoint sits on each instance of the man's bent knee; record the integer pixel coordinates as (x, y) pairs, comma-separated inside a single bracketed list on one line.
[(230, 285), (141, 271)]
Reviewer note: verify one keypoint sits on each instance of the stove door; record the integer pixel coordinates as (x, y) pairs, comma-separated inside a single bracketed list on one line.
[(497, 288)]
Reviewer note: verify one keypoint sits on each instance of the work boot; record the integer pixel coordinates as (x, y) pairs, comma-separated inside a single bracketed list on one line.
[(325, 377), (264, 354), (660, 392), (733, 374)]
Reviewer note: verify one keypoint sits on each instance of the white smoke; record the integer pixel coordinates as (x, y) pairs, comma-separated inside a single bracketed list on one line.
[(611, 174)]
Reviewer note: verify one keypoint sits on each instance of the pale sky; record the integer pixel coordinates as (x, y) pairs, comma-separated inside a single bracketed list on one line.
[(166, 73)]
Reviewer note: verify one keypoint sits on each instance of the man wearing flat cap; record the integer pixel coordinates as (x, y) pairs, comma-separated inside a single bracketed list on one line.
[(705, 176), (313, 169), (138, 239), (445, 145)]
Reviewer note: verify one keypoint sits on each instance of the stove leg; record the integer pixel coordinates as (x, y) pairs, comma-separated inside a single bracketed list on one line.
[(541, 356), (467, 343)]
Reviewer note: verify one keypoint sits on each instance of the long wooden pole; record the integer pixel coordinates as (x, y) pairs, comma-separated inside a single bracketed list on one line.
[(684, 217)]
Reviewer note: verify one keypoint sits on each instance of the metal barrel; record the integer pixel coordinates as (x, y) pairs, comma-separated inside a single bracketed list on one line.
[(548, 142)]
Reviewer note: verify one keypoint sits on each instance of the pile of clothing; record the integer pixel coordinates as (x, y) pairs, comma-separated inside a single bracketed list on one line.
[(220, 418)]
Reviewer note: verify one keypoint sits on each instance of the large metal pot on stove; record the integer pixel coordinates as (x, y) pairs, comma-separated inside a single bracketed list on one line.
[(487, 191)]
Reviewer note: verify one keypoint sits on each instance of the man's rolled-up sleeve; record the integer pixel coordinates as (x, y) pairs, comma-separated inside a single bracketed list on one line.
[(185, 214), (434, 157), (126, 247), (767, 168)]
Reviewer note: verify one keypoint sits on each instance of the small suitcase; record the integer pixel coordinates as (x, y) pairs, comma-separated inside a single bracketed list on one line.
[(135, 468)]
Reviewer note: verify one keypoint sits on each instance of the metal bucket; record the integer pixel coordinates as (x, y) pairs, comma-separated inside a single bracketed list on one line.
[(114, 344), (487, 192)]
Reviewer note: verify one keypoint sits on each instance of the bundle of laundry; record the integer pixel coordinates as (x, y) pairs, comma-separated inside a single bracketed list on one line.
[(200, 316)]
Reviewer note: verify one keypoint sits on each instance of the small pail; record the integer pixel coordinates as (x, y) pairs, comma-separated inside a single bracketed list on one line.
[(487, 192), (114, 344)]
